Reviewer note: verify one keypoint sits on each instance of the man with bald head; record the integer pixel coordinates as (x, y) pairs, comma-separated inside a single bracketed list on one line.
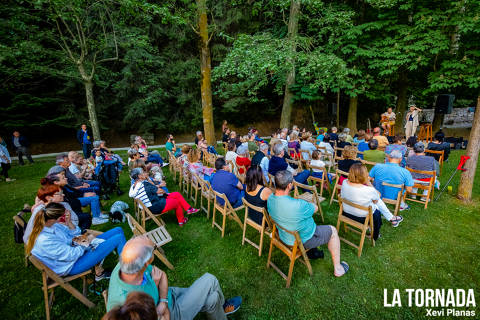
[(134, 272)]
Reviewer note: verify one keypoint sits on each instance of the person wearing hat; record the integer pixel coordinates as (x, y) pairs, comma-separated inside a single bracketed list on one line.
[(391, 172), (420, 161), (242, 159), (412, 121)]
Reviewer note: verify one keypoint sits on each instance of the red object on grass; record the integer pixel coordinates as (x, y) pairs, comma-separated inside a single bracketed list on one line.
[(463, 159)]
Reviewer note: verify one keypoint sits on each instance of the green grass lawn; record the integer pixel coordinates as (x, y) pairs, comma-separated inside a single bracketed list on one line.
[(434, 248)]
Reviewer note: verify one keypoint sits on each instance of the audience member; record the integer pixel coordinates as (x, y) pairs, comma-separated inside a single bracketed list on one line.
[(297, 215), (21, 145), (326, 144), (172, 147), (231, 155), (294, 143), (5, 162), (226, 135), (373, 154), (360, 136), (224, 181), (333, 135), (243, 160), (382, 140), (278, 163), (138, 306), (349, 154), (134, 272), (397, 145), (307, 145), (349, 138), (421, 162), (252, 145), (256, 193), (261, 159), (342, 143), (438, 144)]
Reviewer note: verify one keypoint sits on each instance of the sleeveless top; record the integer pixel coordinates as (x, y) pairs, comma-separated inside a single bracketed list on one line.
[(256, 201)]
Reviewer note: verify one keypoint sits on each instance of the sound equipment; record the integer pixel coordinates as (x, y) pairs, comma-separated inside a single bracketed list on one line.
[(444, 103)]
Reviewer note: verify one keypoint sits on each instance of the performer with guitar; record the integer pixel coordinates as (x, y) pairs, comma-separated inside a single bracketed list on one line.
[(388, 120)]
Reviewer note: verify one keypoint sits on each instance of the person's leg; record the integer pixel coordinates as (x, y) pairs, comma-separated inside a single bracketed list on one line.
[(84, 220), (94, 257), (181, 200), (95, 185), (5, 170), (20, 156), (85, 150), (382, 208), (204, 295), (302, 177), (334, 248), (117, 231), (94, 203), (173, 204), (27, 154), (377, 223)]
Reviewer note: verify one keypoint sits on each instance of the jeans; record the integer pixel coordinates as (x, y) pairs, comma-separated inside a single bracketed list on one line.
[(95, 185), (23, 151), (5, 168), (155, 158), (302, 177), (84, 220), (377, 222), (204, 295), (94, 203), (87, 150), (114, 239)]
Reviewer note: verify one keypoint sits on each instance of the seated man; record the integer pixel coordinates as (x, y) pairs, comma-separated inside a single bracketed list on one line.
[(278, 163), (85, 186), (76, 168), (392, 173), (382, 140), (420, 161), (297, 215), (373, 154), (134, 272), (260, 159), (438, 145), (397, 145), (224, 181)]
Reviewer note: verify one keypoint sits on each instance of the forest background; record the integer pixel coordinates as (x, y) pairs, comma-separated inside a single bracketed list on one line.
[(142, 62)]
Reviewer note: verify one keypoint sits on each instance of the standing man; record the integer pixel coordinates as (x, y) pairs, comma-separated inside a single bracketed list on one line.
[(412, 121), (84, 137), (21, 144), (5, 162)]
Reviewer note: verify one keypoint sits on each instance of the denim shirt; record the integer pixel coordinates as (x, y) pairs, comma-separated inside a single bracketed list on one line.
[(54, 248)]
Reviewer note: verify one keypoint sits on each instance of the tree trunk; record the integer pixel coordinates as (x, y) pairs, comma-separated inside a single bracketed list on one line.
[(401, 102), (338, 109), (206, 68), (92, 113), (292, 37), (466, 180), (352, 115)]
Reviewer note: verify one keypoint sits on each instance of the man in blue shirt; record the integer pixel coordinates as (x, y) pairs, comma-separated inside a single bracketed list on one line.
[(297, 215), (392, 173), (223, 181), (85, 139), (278, 163)]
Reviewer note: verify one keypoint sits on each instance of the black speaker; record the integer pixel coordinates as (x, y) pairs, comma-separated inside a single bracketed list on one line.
[(444, 103)]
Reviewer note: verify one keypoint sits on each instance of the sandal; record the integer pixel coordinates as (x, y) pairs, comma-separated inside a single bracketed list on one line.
[(345, 267), (397, 221)]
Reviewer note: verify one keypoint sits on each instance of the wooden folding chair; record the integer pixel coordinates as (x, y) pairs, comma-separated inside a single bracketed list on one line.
[(142, 212), (323, 181), (271, 183), (395, 202), (50, 280), (264, 228), (207, 194), (297, 163), (293, 153), (105, 297), (195, 186), (304, 160), (21, 223), (427, 185), (350, 224), (292, 252), (311, 196), (441, 156), (368, 164), (233, 166), (226, 210), (337, 187), (159, 236), (186, 182)]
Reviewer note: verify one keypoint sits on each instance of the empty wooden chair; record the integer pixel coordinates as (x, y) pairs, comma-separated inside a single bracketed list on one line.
[(159, 236), (292, 252), (195, 187), (207, 194), (355, 226), (395, 202), (226, 210), (51, 280), (264, 228), (337, 186), (440, 155), (311, 196), (427, 185), (186, 182)]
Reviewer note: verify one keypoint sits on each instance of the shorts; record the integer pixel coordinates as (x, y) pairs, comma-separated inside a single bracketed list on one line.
[(321, 236)]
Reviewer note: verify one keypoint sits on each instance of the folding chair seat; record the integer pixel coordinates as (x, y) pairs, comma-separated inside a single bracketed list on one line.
[(226, 210), (395, 202), (337, 187), (51, 280), (355, 226), (159, 236), (429, 186), (264, 228), (311, 196), (292, 252)]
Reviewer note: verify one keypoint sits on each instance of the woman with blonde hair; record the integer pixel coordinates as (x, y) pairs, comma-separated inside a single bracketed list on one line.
[(52, 242), (359, 190), (196, 166), (349, 154)]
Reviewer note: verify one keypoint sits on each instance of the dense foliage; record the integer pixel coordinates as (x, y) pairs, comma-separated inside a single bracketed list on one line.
[(380, 51)]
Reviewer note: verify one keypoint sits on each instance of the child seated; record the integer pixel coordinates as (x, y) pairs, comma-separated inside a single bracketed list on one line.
[(316, 162)]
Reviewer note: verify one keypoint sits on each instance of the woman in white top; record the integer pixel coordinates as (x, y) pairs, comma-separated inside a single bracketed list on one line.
[(359, 190)]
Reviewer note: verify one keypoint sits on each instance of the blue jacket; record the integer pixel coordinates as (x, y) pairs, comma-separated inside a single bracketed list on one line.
[(80, 136), (22, 140)]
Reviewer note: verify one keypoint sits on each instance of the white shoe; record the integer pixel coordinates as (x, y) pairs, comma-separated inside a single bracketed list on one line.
[(97, 221), (104, 216), (164, 164)]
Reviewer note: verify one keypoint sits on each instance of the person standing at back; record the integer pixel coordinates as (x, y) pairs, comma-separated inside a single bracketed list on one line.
[(21, 144), (84, 137), (411, 121)]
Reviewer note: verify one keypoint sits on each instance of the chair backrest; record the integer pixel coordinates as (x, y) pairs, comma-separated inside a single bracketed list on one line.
[(343, 201), (276, 227), (439, 155), (297, 185), (266, 217), (302, 154), (432, 174), (271, 177), (400, 188), (222, 196), (298, 163), (136, 228)]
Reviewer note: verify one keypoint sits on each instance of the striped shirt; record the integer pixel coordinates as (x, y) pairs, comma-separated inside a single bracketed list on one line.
[(137, 191)]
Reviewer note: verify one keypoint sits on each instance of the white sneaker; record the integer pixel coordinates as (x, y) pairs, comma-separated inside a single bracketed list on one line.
[(104, 216), (98, 220), (164, 164)]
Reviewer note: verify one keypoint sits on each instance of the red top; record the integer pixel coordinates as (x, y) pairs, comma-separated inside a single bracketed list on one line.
[(241, 161)]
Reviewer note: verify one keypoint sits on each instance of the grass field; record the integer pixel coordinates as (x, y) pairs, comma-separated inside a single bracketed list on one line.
[(434, 248)]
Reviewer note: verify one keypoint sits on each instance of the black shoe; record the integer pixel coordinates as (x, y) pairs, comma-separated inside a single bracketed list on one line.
[(315, 254)]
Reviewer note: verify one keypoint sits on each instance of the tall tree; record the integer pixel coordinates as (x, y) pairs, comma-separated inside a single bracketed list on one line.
[(206, 70), (88, 38), (290, 81)]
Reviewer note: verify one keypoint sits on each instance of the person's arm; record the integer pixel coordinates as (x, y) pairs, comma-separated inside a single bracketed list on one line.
[(409, 182), (161, 280)]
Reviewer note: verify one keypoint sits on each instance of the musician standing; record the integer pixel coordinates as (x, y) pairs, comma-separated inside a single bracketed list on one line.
[(412, 121), (388, 120)]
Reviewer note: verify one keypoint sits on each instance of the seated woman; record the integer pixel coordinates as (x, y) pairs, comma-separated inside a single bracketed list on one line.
[(349, 154), (326, 144), (226, 135), (342, 143), (359, 190), (155, 198), (242, 159), (256, 193), (196, 166), (155, 175), (307, 144), (183, 159), (360, 136), (170, 146), (231, 155), (294, 143), (52, 242)]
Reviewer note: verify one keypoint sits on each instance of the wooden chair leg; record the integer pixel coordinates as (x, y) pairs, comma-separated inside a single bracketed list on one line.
[(208, 209), (260, 245), (290, 267), (244, 228), (213, 216), (270, 253), (45, 296), (362, 240), (223, 223), (84, 284), (164, 259)]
